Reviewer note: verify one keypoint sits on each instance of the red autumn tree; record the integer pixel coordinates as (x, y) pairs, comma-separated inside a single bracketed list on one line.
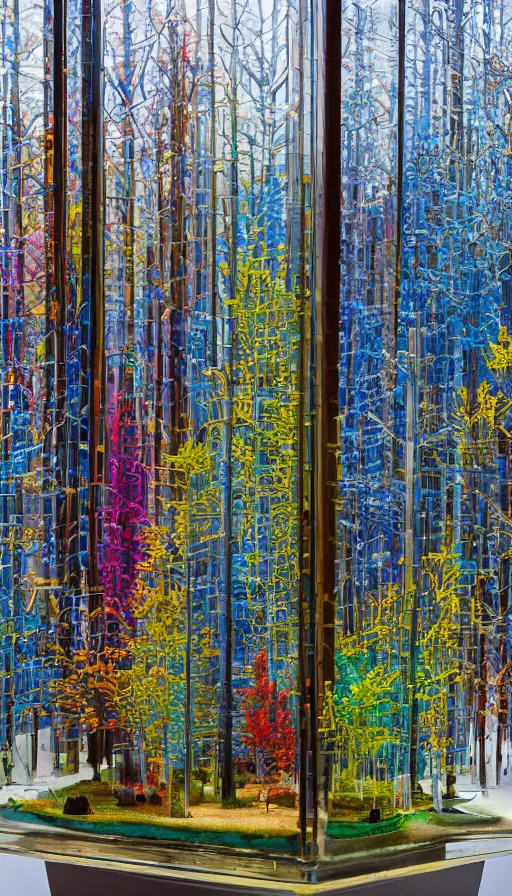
[(268, 721)]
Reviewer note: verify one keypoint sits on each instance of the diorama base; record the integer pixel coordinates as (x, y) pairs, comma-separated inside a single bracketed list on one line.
[(65, 879), (193, 871)]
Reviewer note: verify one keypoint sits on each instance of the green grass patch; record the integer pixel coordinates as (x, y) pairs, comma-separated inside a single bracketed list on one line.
[(202, 831), (346, 830), (240, 802)]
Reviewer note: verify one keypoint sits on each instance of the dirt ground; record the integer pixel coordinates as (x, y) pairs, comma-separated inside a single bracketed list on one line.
[(255, 817), (206, 816)]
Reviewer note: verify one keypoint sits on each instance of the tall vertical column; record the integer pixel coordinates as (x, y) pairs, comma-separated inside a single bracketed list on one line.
[(93, 322)]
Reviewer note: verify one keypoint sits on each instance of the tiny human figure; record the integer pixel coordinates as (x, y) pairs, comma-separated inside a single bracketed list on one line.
[(151, 780), (451, 781), (125, 794), (7, 762)]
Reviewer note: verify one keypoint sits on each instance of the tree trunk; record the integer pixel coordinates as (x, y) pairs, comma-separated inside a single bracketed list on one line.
[(93, 336), (483, 675), (92, 266), (228, 781)]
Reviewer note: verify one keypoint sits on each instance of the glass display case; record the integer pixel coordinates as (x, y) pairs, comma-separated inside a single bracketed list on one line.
[(255, 431)]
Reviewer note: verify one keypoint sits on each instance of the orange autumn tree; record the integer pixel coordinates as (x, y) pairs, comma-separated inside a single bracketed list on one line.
[(84, 689), (268, 721)]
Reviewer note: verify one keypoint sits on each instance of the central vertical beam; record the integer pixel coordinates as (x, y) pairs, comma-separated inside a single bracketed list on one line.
[(327, 312), (307, 728)]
